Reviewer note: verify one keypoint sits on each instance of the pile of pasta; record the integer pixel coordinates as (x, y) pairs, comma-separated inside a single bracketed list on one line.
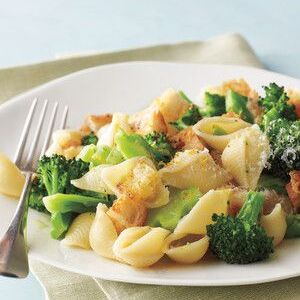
[(223, 168)]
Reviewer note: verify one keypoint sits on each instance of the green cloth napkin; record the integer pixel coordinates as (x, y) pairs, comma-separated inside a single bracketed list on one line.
[(61, 285)]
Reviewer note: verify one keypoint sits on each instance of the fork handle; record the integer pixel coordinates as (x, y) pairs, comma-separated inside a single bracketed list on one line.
[(13, 251)]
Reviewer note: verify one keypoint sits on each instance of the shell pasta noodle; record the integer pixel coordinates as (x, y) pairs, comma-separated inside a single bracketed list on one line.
[(177, 179), (194, 168), (251, 150), (103, 233), (275, 224), (195, 222), (78, 233), (140, 246), (210, 128), (186, 249)]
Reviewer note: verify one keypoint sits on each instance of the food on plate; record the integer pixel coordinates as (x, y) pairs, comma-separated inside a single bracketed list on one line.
[(176, 179)]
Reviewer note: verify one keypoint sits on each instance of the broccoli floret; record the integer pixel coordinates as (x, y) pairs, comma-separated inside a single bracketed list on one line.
[(168, 216), (214, 105), (238, 104), (90, 139), (275, 105), (154, 146), (284, 138), (160, 146), (189, 118), (56, 172), (240, 239), (268, 182), (38, 191), (293, 226)]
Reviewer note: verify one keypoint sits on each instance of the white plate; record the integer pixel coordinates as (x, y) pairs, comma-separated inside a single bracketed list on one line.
[(129, 87)]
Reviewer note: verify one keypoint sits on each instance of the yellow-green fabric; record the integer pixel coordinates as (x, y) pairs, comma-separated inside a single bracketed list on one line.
[(62, 285)]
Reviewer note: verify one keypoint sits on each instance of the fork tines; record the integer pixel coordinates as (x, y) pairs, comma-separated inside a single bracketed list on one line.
[(38, 109)]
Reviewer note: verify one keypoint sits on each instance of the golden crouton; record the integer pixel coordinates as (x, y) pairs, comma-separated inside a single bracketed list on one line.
[(127, 212)]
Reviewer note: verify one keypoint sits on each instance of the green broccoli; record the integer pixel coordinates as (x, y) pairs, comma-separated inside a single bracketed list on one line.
[(65, 207), (38, 191), (184, 96), (240, 239), (284, 138), (214, 105), (189, 118), (90, 139), (268, 182), (181, 202), (154, 146), (161, 147), (63, 203), (99, 155), (275, 105), (293, 226), (60, 224), (238, 104)]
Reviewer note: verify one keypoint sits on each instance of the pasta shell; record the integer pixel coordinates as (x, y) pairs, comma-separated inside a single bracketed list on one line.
[(137, 178), (194, 168), (233, 126), (195, 222), (251, 151), (106, 134), (184, 250), (275, 224), (92, 181), (11, 178), (140, 246), (78, 233), (103, 233)]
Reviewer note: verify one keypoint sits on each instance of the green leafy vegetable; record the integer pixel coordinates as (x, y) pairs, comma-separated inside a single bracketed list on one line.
[(161, 147), (38, 191), (293, 226), (181, 202), (185, 97), (217, 130), (284, 138), (268, 182), (154, 146), (60, 224), (189, 118), (240, 239), (275, 105), (56, 172), (90, 139), (238, 104), (214, 105), (63, 203)]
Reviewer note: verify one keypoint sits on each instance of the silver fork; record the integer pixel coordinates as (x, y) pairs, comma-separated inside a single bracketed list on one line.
[(13, 249)]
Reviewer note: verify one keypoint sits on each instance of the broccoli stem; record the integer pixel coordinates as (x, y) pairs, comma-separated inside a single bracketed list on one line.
[(64, 203), (251, 209), (60, 224)]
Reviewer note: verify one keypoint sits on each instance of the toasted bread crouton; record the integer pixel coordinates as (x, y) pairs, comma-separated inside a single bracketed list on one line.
[(95, 122), (148, 120), (187, 139), (127, 212)]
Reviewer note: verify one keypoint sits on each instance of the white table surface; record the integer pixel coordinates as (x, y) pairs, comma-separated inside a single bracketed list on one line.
[(36, 30)]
